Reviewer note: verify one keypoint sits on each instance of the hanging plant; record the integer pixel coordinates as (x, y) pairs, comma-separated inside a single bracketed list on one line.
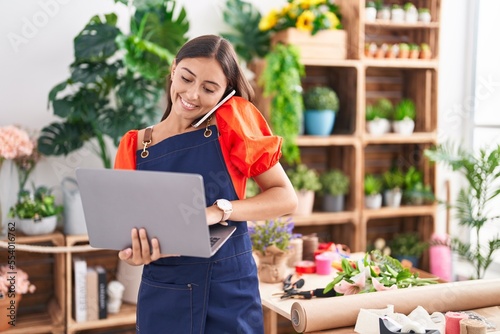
[(281, 80)]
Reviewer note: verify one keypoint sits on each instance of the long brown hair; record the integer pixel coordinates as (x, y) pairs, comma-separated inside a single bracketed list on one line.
[(212, 46)]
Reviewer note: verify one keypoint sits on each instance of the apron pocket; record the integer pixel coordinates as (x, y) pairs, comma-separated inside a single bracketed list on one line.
[(164, 308)]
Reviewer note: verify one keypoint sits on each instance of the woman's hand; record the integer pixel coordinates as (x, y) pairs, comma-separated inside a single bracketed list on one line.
[(140, 253)]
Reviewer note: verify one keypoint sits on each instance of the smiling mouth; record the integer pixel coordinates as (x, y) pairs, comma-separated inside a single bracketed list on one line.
[(187, 104)]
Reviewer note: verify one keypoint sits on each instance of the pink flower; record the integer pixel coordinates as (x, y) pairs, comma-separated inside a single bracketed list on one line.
[(347, 288), (380, 287), (14, 143), (15, 280)]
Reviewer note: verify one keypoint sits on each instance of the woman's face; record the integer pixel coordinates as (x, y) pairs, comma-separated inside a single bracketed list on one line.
[(197, 86)]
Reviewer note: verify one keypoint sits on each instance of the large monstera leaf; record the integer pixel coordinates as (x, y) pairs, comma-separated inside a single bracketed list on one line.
[(96, 42)]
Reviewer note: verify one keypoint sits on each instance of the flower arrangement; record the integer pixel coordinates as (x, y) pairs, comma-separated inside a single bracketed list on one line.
[(377, 272), (19, 285), (37, 205), (14, 143), (306, 15), (277, 232)]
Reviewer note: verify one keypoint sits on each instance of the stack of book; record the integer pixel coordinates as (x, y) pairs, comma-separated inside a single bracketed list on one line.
[(89, 291)]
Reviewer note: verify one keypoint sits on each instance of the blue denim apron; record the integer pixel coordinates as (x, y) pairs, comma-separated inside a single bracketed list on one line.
[(197, 295)]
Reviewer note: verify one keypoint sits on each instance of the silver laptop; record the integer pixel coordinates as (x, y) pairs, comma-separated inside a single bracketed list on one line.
[(170, 206)]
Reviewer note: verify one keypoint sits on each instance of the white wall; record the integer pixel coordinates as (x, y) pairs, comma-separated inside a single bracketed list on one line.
[(36, 49)]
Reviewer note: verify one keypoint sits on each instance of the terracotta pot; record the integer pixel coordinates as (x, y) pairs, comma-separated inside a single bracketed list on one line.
[(271, 265), (8, 310)]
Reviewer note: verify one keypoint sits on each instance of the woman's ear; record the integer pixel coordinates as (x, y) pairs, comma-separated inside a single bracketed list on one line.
[(172, 69)]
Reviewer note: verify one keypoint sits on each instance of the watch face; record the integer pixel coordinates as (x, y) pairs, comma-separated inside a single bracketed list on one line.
[(224, 204)]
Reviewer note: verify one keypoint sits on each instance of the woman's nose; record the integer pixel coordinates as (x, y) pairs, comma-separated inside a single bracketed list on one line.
[(192, 93)]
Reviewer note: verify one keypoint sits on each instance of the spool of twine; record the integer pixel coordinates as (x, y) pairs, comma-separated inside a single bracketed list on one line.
[(453, 322), (295, 252), (472, 326), (310, 245)]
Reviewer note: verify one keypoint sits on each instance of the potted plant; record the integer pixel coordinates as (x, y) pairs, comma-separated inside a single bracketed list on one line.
[(36, 212), (424, 15), (411, 13), (414, 51), (373, 188), (14, 282), (397, 14), (370, 50), (415, 192), (114, 74), (377, 117), (334, 186), (320, 106), (381, 51), (392, 51), (270, 243), (481, 171), (404, 50), (408, 246), (425, 51), (370, 11), (393, 185), (305, 182), (404, 117), (281, 81)]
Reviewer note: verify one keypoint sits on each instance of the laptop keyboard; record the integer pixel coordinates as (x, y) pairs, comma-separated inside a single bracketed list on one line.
[(213, 240)]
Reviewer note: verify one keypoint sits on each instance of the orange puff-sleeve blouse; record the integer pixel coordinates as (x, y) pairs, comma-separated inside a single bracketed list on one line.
[(247, 143)]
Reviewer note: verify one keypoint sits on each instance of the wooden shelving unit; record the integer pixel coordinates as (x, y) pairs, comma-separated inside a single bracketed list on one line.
[(358, 82), (109, 260)]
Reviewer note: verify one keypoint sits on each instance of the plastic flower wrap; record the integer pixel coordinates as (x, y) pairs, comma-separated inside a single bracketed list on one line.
[(272, 232), (306, 15), (14, 281), (376, 273)]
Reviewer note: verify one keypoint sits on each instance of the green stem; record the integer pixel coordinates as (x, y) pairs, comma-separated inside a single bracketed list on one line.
[(103, 152)]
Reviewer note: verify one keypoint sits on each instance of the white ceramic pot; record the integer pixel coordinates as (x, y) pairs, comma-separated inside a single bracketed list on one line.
[(305, 202), (373, 201), (411, 16), (403, 127), (45, 225), (378, 126), (384, 14), (397, 15), (392, 198), (424, 17), (370, 14)]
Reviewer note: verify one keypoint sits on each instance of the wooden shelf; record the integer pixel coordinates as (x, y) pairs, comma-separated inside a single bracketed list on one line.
[(334, 140), (402, 25), (403, 211), (325, 218), (127, 316), (401, 63), (393, 138), (332, 62)]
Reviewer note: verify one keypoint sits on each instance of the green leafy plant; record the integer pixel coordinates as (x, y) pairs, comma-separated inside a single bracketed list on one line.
[(375, 272), (39, 204), (321, 98), (304, 15), (407, 244), (248, 40), (481, 170), (334, 182), (415, 192), (404, 109), (116, 79), (393, 179), (382, 108), (277, 232), (373, 184), (414, 47), (304, 178), (425, 47), (281, 80), (404, 47)]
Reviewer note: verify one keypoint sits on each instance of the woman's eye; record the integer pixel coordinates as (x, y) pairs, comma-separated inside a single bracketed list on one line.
[(185, 79), (208, 90)]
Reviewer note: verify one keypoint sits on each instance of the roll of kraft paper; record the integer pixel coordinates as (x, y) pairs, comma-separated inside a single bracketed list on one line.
[(472, 326), (328, 313)]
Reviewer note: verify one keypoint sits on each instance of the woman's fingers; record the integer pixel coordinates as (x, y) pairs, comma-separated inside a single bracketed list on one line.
[(140, 252)]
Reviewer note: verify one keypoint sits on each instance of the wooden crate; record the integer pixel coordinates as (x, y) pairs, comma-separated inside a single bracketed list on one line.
[(325, 44), (44, 310)]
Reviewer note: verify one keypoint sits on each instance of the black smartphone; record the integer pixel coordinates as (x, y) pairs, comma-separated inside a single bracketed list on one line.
[(221, 102)]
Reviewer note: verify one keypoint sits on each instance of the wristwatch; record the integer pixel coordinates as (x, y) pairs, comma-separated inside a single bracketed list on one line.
[(225, 206)]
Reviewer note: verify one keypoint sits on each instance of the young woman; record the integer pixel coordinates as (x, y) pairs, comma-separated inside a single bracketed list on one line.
[(181, 294)]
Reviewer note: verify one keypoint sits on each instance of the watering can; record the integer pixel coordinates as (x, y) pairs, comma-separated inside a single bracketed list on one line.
[(74, 219)]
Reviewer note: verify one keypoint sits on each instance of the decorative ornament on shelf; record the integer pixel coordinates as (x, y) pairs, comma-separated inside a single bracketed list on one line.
[(375, 272), (271, 242)]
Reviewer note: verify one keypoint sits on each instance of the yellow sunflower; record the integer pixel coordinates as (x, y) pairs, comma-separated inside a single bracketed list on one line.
[(269, 21), (334, 20), (305, 21)]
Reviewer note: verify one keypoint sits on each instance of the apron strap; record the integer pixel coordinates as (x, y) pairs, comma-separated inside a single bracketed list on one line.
[(148, 138)]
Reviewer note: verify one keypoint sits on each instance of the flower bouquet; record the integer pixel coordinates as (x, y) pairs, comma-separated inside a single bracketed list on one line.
[(14, 282), (377, 272), (271, 241)]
